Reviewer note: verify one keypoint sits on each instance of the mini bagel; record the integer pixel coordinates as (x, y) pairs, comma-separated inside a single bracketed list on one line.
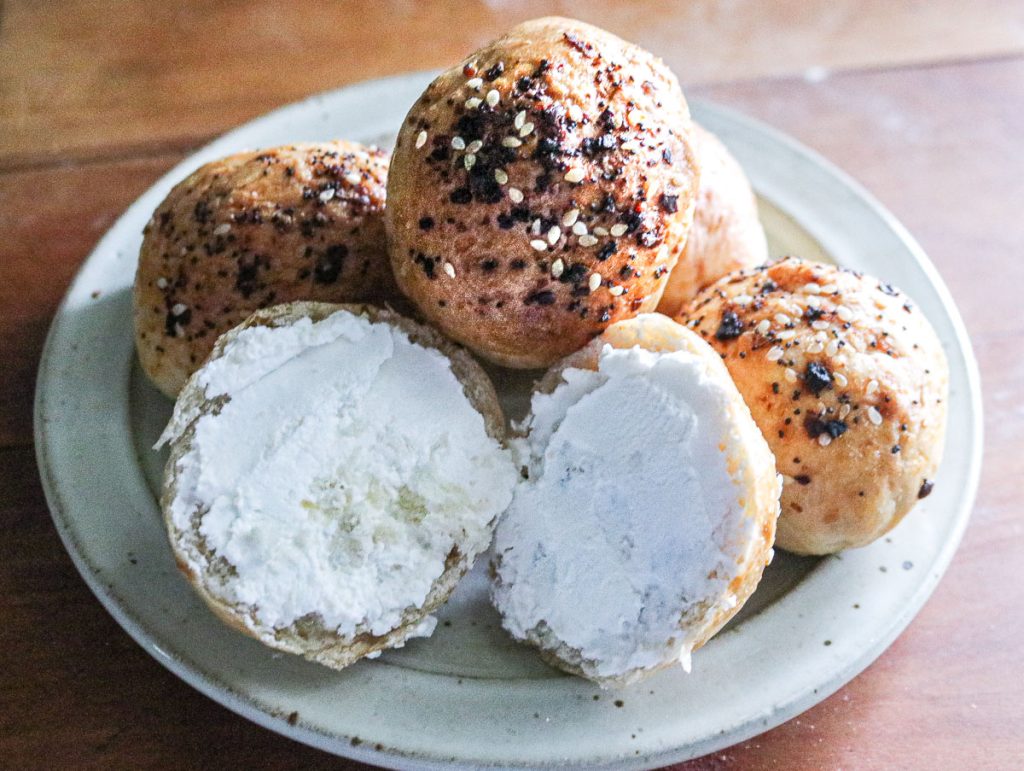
[(302, 222), (648, 512), (312, 498), (848, 382), (541, 190)]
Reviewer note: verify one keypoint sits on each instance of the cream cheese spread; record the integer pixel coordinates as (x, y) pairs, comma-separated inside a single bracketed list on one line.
[(343, 466), (624, 536)]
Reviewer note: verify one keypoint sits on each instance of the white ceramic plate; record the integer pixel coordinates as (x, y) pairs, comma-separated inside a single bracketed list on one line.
[(469, 695)]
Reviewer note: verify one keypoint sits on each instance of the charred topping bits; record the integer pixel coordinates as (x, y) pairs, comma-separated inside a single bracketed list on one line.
[(730, 327), (817, 377)]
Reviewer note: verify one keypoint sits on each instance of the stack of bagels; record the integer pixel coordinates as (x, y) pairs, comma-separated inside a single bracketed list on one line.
[(339, 457)]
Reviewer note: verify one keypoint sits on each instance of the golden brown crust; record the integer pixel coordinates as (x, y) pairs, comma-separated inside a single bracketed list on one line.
[(554, 126), (302, 222), (726, 234), (308, 636), (847, 381)]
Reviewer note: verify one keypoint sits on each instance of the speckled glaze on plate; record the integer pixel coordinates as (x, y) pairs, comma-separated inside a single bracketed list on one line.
[(468, 695)]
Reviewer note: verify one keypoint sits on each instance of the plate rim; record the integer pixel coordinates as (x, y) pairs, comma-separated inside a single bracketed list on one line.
[(250, 707)]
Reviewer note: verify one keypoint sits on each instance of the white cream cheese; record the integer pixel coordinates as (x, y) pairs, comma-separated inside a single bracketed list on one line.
[(343, 467), (625, 536)]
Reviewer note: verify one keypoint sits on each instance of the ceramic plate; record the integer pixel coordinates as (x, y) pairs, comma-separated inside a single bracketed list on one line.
[(468, 695)]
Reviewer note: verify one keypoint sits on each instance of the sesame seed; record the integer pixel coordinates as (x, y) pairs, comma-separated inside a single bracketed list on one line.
[(161, 283), (539, 244), (829, 289), (327, 195), (575, 112), (618, 230), (458, 143), (636, 116), (449, 269), (474, 146), (662, 254), (587, 240), (819, 324), (353, 178), (221, 229), (775, 353), (616, 290), (515, 195), (790, 374), (179, 330), (872, 387), (816, 347), (520, 119), (782, 318), (500, 176), (814, 301), (526, 130), (557, 267), (599, 231), (763, 328), (821, 336), (824, 439), (832, 348), (595, 281), (474, 83), (812, 288), (178, 308), (535, 227), (743, 299), (421, 139), (510, 142), (554, 234), (473, 102), (493, 97), (579, 228), (844, 313), (874, 416), (786, 334), (183, 251), (570, 217), (844, 410), (840, 379), (574, 175), (631, 146), (469, 160)]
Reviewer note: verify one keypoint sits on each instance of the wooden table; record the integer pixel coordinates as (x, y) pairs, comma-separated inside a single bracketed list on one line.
[(921, 102)]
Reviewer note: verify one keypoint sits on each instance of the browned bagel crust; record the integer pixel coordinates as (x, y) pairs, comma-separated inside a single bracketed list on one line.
[(302, 222), (555, 125), (849, 389), (726, 234)]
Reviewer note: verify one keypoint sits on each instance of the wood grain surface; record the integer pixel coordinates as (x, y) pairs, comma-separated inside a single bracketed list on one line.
[(921, 102)]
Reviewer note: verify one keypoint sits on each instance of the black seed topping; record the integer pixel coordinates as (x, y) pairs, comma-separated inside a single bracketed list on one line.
[(518, 264), (802, 479), (815, 426), (493, 73), (426, 263), (889, 289), (731, 326), (461, 195), (489, 265), (545, 297), (669, 203), (505, 221), (606, 251), (426, 223), (817, 377), (328, 265), (926, 488)]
